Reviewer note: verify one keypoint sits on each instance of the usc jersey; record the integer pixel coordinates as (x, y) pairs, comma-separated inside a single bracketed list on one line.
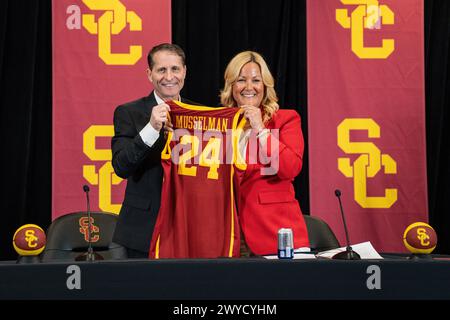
[(197, 217)]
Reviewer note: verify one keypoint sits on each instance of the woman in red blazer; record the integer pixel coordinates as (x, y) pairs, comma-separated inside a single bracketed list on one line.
[(265, 194)]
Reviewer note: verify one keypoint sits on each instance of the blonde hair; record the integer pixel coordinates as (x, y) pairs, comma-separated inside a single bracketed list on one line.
[(269, 102)]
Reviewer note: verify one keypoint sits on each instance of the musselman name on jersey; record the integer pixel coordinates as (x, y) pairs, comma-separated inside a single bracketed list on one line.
[(201, 123)]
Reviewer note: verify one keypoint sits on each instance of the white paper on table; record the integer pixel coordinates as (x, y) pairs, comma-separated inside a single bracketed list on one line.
[(296, 256), (299, 253), (364, 249)]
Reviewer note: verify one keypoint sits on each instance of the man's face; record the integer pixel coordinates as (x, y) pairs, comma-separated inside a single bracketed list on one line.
[(167, 75), (249, 87)]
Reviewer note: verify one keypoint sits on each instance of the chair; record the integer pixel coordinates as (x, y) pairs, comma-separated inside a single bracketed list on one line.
[(321, 237), (67, 237)]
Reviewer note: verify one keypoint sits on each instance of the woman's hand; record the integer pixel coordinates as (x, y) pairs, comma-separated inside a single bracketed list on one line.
[(253, 116)]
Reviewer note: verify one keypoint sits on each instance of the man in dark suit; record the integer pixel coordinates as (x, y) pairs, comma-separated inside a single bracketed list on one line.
[(137, 144)]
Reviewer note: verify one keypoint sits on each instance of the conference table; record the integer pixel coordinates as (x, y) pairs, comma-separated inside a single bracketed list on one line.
[(392, 278)]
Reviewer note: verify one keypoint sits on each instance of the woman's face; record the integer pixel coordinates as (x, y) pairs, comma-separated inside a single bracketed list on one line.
[(249, 87)]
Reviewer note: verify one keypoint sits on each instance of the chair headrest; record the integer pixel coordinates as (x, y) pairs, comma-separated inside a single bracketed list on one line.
[(70, 231)]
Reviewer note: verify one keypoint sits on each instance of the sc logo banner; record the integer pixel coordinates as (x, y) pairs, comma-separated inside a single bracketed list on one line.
[(112, 22), (369, 14), (367, 165), (102, 174)]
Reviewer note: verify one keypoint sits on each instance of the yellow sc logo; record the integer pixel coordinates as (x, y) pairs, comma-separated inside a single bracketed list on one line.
[(30, 238), (105, 177), (367, 165), (367, 15), (423, 236), (113, 21)]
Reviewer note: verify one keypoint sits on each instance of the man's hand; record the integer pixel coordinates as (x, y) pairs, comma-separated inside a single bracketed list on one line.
[(159, 116)]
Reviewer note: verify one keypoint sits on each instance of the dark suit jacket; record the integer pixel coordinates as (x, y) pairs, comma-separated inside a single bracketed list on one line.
[(133, 160)]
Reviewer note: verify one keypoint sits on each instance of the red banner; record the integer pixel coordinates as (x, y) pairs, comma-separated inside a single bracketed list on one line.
[(99, 60), (367, 117)]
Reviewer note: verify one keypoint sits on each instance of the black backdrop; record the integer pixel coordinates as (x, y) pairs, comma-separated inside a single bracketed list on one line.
[(211, 32)]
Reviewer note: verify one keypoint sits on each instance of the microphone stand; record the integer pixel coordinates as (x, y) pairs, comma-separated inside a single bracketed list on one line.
[(90, 255), (348, 254)]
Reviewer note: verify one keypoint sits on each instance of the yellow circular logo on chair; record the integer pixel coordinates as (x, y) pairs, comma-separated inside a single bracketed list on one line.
[(29, 240)]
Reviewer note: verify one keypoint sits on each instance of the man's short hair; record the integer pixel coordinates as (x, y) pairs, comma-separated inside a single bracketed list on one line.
[(165, 47)]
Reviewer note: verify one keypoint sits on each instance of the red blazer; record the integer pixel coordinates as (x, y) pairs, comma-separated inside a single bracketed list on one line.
[(267, 203)]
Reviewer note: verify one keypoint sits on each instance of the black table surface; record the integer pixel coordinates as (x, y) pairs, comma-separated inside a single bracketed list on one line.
[(392, 278)]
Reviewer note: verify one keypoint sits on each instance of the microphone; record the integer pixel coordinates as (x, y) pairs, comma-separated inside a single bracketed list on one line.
[(348, 254), (90, 255)]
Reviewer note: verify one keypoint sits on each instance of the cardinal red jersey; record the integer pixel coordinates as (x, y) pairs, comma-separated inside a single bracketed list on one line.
[(197, 217)]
